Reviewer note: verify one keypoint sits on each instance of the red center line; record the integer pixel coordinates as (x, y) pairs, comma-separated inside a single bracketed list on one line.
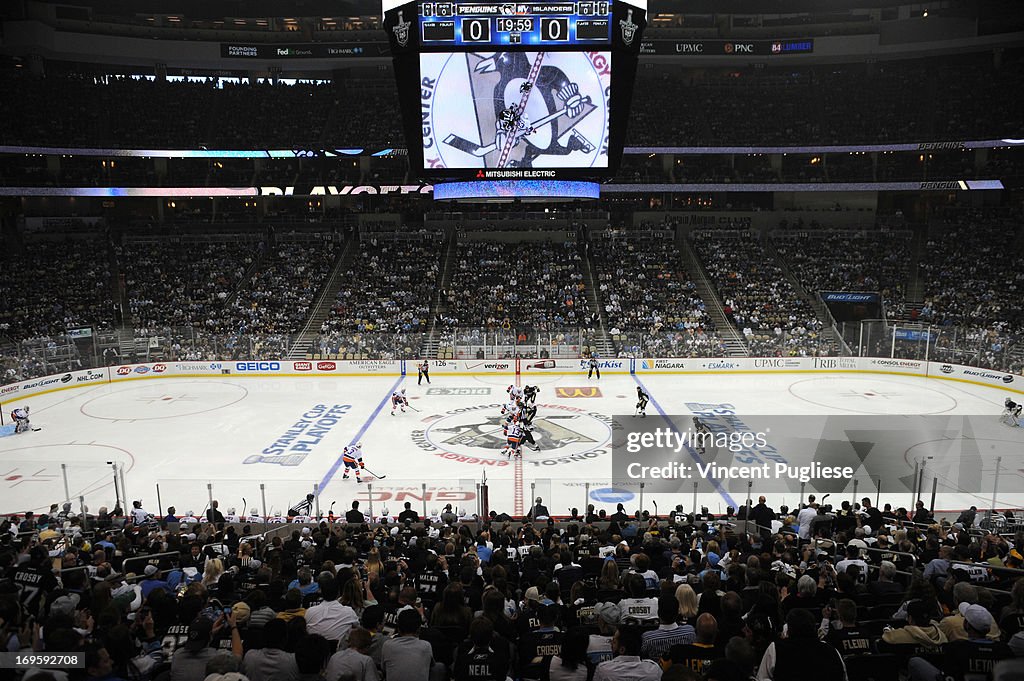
[(511, 141)]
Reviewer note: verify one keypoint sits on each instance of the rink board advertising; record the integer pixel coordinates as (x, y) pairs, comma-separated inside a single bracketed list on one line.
[(515, 90)]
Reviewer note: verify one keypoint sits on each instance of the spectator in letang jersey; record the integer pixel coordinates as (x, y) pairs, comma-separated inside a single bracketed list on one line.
[(701, 652)]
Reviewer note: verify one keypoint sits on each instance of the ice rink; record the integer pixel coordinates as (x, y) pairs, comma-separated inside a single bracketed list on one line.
[(226, 436)]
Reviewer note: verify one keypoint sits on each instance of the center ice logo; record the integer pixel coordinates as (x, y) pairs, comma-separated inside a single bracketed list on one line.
[(560, 431)]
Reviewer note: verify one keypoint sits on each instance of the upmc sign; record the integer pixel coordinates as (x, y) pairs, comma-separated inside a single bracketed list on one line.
[(730, 48)]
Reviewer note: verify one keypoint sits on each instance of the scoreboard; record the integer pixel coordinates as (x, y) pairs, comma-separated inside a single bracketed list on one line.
[(515, 90), (449, 24)]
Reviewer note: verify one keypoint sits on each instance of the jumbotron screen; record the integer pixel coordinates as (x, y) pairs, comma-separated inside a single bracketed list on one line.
[(515, 109)]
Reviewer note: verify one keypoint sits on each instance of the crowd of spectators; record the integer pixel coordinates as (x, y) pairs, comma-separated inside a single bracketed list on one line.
[(852, 592), (850, 261), (972, 284), (819, 104), (650, 303), (52, 286), (182, 284), (825, 104), (113, 111), (533, 286), (383, 307), (756, 296)]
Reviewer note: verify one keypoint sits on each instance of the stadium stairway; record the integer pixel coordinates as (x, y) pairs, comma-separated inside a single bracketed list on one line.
[(830, 330), (733, 342), (724, 327), (431, 341), (306, 342), (602, 341), (914, 298)]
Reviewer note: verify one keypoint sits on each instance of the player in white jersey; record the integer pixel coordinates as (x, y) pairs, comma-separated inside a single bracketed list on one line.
[(254, 516), (398, 399), (513, 439), (352, 457), (515, 392), (231, 516), (513, 407), (20, 418)]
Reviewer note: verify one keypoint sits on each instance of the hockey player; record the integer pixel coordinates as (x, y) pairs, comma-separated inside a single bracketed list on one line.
[(513, 406), (20, 418), (1011, 412), (594, 366), (509, 419), (530, 394), (398, 399), (527, 437), (424, 372), (513, 438), (514, 393), (231, 516), (352, 457), (254, 516), (702, 432), (642, 399)]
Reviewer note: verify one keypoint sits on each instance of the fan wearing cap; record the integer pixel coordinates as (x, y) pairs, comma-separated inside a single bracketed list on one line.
[(152, 581), (599, 648), (965, 594), (974, 652), (189, 661)]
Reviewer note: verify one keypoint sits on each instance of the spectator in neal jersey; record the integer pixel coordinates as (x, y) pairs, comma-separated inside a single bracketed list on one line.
[(483, 657)]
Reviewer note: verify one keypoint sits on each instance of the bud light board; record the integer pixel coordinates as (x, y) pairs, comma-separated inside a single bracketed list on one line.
[(515, 90)]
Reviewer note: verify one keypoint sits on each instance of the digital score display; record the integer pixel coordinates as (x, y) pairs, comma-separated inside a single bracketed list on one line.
[(472, 23)]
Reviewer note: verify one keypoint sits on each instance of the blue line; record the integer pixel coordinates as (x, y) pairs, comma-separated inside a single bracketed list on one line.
[(693, 453), (358, 436)]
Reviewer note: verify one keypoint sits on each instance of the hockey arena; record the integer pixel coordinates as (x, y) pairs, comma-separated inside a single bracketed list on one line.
[(271, 439)]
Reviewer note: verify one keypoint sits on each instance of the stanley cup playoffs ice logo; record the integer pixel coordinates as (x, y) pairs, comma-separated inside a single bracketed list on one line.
[(515, 109)]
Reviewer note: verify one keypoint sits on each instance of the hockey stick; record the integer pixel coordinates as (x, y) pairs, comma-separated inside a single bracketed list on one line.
[(379, 477), (414, 408)]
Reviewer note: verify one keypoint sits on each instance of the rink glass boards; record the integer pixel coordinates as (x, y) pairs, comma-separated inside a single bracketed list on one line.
[(515, 90)]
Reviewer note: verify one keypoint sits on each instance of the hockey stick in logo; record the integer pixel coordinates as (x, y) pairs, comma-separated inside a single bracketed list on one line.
[(513, 140), (463, 144)]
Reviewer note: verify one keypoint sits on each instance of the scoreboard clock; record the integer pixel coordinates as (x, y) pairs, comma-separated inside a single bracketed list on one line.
[(515, 90)]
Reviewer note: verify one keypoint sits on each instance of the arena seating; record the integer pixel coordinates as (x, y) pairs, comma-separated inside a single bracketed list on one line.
[(826, 260), (757, 297), (819, 104), (650, 304), (384, 306), (526, 286), (871, 591)]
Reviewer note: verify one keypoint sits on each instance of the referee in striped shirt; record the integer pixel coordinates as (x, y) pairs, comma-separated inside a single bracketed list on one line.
[(655, 643)]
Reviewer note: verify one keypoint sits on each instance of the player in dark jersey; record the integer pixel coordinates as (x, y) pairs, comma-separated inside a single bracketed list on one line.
[(530, 394), (1011, 412), (642, 399)]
